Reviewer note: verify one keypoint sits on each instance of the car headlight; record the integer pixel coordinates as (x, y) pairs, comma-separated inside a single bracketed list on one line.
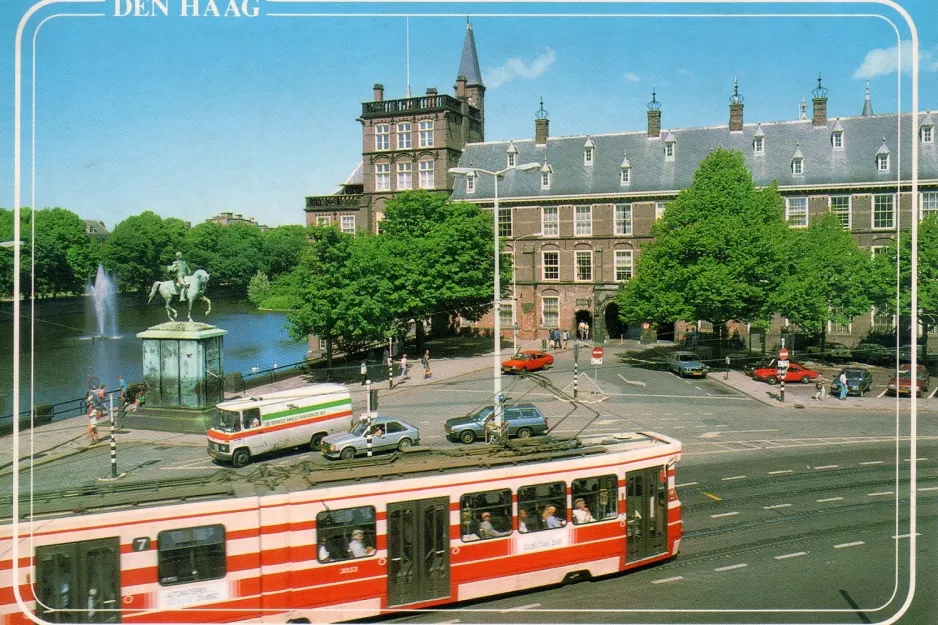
[(333, 448), (892, 387)]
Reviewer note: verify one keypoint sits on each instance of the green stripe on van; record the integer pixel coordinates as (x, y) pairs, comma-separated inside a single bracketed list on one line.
[(300, 410)]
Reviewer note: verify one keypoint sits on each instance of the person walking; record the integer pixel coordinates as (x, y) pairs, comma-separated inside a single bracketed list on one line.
[(403, 369), (425, 361), (564, 338), (843, 385), (820, 391), (364, 371)]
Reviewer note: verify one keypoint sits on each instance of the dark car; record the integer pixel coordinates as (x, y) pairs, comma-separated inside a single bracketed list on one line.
[(834, 352), (859, 381), (523, 420), (873, 354), (528, 360), (902, 383)]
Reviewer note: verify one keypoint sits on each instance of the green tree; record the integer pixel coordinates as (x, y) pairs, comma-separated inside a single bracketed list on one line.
[(716, 252), (258, 288), (827, 279), (140, 248), (282, 248), (231, 254), (65, 256)]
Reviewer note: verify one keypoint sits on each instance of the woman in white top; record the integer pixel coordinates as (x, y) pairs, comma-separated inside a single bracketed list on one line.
[(581, 514)]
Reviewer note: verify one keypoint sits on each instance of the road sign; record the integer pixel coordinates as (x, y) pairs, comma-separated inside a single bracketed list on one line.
[(783, 364), (783, 354), (597, 354)]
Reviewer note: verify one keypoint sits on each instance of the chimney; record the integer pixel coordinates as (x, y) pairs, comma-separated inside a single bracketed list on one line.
[(379, 92), (820, 105), (654, 117), (736, 109), (461, 87), (431, 91), (541, 125)]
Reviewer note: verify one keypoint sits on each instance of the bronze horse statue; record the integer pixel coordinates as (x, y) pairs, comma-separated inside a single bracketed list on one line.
[(194, 290)]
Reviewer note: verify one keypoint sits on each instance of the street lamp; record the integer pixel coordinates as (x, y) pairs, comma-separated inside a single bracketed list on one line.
[(514, 285), (497, 357)]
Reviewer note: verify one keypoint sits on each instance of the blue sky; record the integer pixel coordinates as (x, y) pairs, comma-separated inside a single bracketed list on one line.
[(191, 116)]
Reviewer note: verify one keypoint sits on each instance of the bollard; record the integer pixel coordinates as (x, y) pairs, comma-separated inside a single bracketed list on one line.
[(368, 441), (368, 398), (113, 451), (782, 389), (576, 359)]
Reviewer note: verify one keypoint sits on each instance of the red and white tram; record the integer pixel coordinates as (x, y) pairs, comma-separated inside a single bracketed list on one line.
[(350, 541)]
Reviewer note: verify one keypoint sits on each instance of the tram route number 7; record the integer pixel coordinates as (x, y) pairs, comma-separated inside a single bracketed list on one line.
[(141, 544)]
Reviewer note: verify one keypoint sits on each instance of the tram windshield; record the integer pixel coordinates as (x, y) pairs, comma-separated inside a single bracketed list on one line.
[(228, 421)]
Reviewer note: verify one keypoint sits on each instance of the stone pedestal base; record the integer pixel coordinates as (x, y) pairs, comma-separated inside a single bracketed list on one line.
[(183, 365)]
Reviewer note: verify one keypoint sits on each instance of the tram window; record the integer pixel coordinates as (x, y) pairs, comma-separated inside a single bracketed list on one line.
[(192, 554), (345, 534), (544, 506), (485, 515), (599, 496)]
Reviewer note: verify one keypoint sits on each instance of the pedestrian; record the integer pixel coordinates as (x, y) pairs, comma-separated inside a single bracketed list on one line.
[(364, 371), (565, 337), (586, 331), (403, 370), (122, 385), (819, 388), (843, 385), (92, 421), (556, 336), (425, 361), (386, 359)]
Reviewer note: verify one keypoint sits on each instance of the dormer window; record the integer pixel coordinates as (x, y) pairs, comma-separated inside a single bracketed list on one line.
[(927, 129), (512, 155), (882, 157), (546, 172), (758, 145), (797, 162), (511, 160), (589, 149), (471, 183), (669, 147), (837, 137), (625, 172)]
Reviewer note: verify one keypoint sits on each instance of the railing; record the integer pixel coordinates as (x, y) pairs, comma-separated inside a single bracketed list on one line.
[(406, 105), (350, 201), (46, 413)]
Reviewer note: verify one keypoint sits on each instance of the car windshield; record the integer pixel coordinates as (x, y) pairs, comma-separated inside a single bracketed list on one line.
[(359, 428), (687, 357), (482, 415), (854, 375), (228, 421)]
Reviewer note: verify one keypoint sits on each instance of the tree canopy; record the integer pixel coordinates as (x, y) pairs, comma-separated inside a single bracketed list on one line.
[(139, 248)]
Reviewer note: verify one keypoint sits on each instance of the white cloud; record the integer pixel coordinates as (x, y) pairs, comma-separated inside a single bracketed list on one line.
[(516, 68), (684, 72), (882, 61), (631, 77)]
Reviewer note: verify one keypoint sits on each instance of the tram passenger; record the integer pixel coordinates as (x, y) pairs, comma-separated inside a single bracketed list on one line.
[(324, 555), (581, 513), (549, 518), (357, 546), (486, 529)]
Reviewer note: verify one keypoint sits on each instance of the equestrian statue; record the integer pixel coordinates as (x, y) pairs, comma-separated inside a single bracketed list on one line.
[(189, 287)]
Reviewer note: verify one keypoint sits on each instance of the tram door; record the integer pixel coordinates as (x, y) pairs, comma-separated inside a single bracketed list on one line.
[(79, 582), (646, 509), (418, 550)]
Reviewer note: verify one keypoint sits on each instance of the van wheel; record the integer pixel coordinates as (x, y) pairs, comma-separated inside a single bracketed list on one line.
[(347, 454), (316, 441), (467, 436), (524, 433), (404, 443), (241, 458)]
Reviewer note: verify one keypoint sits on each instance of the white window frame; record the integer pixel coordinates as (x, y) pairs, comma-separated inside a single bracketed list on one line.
[(932, 197), (797, 166), (659, 210), (669, 150), (322, 220), (840, 213), (404, 137), (588, 267), (875, 250), (425, 133), (507, 314), (550, 221), (837, 329), (622, 226), (505, 222), (882, 163), (426, 170), (405, 175), (928, 133), (624, 263), (791, 213), (553, 266), (512, 159), (837, 140), (588, 156), (470, 183), (348, 224), (880, 326), (583, 226), (382, 137), (545, 180), (758, 146), (625, 177), (554, 311), (892, 212), (382, 176)]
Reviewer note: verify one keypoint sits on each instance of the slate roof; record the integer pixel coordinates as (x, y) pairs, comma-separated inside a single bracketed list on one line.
[(651, 174), (469, 61)]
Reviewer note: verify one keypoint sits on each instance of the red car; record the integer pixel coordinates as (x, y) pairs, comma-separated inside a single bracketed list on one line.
[(528, 360), (796, 373), (901, 383)]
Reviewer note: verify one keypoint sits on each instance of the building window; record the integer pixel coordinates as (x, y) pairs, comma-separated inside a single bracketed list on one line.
[(425, 130), (551, 265), (544, 505), (506, 314), (383, 137), (587, 156), (927, 133), (550, 221), (839, 329), (550, 309), (405, 176), (485, 515), (625, 176), (383, 177), (193, 554), (512, 159), (545, 179), (837, 139), (883, 322), (623, 219), (659, 210), (758, 145), (346, 534), (796, 211), (348, 224), (322, 220), (669, 151), (623, 265), (584, 266), (470, 184), (884, 213), (403, 136), (929, 204), (504, 221), (876, 250), (882, 162), (797, 166), (840, 206), (426, 174), (583, 221)]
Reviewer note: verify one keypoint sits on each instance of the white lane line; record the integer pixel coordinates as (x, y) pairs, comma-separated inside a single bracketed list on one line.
[(529, 606), (917, 459), (778, 505), (853, 544), (731, 567), (880, 494), (921, 490), (722, 514), (792, 555), (826, 466), (780, 472), (636, 382), (898, 536), (735, 477), (667, 579), (829, 499), (864, 464), (932, 396), (694, 484), (882, 394)]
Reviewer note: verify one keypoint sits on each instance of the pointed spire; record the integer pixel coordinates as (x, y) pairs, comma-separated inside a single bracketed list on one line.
[(469, 61), (867, 105)]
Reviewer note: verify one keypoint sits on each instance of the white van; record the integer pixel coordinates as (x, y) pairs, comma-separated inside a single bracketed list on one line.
[(259, 424)]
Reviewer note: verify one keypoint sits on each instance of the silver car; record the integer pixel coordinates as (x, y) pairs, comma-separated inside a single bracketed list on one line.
[(387, 434)]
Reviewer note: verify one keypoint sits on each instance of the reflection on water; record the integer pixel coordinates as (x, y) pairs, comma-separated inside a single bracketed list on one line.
[(68, 352)]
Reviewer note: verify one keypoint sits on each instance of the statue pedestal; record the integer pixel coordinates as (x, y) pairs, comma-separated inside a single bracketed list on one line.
[(183, 365)]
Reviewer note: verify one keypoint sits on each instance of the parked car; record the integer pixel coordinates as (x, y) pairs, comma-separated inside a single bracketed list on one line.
[(528, 360), (795, 373), (523, 420), (859, 381), (687, 363), (873, 354), (835, 352), (901, 383), (387, 434)]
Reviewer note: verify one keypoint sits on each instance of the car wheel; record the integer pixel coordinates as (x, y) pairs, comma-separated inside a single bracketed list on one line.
[(547, 365), (524, 433), (805, 380), (772, 380), (347, 454), (404, 443), (241, 458), (467, 436)]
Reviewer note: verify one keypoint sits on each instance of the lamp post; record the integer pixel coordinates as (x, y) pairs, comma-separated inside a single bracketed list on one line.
[(514, 286), (497, 293)]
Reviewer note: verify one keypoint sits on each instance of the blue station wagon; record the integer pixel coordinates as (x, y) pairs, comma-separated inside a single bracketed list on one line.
[(523, 420)]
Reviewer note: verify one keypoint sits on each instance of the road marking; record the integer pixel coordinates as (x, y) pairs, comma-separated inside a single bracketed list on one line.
[(694, 484), (863, 464), (829, 499), (780, 472), (933, 393), (880, 494), (636, 382), (735, 477), (826, 466), (922, 490), (853, 544), (722, 514), (714, 497), (778, 505), (881, 394), (731, 567), (917, 459), (667, 579), (529, 606), (792, 555), (898, 536)]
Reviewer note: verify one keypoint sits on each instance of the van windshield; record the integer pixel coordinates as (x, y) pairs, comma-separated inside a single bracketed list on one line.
[(228, 421)]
